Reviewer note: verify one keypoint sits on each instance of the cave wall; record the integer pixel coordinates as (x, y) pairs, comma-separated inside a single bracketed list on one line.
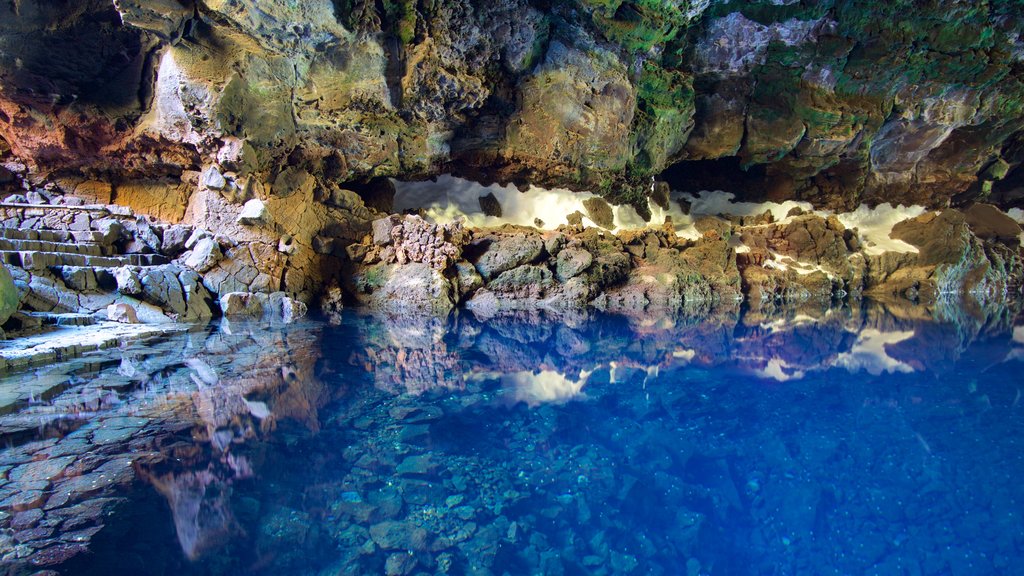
[(837, 102)]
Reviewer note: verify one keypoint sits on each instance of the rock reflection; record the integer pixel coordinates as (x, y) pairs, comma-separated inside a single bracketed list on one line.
[(167, 412)]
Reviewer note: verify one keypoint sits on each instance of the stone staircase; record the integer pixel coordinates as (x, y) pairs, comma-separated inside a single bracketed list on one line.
[(67, 260)]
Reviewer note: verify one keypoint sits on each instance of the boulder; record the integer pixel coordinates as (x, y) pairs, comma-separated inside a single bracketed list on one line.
[(508, 253), (254, 213), (276, 307), (204, 256), (213, 179), (571, 262), (174, 240), (600, 212), (122, 313)]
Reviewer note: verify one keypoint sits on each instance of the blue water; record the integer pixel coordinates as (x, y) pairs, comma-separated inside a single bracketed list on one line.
[(872, 440)]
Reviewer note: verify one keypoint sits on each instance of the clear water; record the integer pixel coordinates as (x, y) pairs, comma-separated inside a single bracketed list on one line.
[(865, 441)]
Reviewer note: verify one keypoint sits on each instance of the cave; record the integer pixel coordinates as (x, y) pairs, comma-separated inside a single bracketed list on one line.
[(514, 287)]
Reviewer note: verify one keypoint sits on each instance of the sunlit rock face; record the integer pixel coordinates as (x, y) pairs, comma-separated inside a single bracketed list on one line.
[(833, 102)]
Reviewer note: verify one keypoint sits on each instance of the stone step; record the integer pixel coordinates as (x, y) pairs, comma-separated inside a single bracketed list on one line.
[(39, 261), (83, 248), (90, 236), (51, 319), (87, 279)]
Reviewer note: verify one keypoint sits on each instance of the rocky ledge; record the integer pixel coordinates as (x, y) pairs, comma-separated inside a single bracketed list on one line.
[(409, 264)]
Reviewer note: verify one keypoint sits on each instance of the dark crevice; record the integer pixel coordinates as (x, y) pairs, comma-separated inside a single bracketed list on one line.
[(725, 174)]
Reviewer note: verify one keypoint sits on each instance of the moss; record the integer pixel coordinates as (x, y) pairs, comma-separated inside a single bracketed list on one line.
[(665, 109), (638, 25)]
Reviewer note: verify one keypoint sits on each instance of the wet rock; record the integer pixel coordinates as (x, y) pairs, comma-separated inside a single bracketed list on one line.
[(26, 520), (276, 307), (416, 465), (399, 564), (413, 287), (122, 313), (469, 280), (24, 500)]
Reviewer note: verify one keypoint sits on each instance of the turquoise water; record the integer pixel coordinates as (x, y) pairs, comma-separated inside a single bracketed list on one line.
[(872, 440)]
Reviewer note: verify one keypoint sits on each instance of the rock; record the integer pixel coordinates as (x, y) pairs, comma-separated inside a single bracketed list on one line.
[(410, 288), (174, 239), (468, 279), (109, 229), (213, 179), (194, 238), (392, 535), (204, 256), (413, 239), (127, 281), (660, 196), (10, 296), (571, 262), (122, 313), (254, 213), (490, 206), (293, 181), (235, 304), (94, 192), (286, 244), (990, 223), (382, 229), (600, 212), (508, 253)]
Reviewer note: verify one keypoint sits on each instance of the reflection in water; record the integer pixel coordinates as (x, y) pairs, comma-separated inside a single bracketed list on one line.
[(809, 441)]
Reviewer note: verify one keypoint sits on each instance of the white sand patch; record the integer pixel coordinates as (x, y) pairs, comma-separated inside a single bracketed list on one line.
[(875, 225), (868, 353), (544, 387), (1018, 334)]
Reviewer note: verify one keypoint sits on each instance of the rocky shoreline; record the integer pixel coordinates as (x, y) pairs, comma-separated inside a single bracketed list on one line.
[(76, 263), (411, 265)]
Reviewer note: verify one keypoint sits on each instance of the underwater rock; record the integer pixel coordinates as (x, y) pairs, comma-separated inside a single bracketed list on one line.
[(392, 535)]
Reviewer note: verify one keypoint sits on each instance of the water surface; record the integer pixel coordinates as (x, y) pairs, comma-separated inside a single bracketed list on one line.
[(872, 440)]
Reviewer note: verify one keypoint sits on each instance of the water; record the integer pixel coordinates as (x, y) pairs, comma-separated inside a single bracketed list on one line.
[(873, 440)]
